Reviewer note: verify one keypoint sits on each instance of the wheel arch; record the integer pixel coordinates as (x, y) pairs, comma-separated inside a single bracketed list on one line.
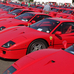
[(43, 40), (39, 40)]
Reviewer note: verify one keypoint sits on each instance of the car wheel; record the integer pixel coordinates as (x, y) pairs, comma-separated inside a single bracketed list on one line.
[(37, 45)]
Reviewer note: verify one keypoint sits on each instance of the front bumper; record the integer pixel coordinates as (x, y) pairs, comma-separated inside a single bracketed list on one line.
[(12, 54)]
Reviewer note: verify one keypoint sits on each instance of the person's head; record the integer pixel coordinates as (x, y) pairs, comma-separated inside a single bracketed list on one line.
[(42, 2), (47, 3)]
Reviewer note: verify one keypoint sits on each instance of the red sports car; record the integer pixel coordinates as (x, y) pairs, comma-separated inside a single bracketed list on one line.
[(4, 7), (55, 11), (71, 17), (38, 8), (47, 61), (65, 14), (9, 9), (14, 13), (23, 19), (18, 41)]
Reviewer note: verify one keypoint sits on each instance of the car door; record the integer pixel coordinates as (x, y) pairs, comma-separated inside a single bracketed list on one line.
[(67, 30)]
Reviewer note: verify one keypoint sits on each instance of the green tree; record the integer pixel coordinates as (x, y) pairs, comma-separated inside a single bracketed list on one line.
[(31, 0)]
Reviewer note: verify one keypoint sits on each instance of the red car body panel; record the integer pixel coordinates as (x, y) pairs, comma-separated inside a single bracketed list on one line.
[(47, 61)]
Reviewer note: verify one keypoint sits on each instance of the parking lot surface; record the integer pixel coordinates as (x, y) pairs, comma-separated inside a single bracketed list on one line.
[(4, 64)]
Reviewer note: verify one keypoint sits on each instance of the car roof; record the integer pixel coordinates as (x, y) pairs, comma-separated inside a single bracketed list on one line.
[(25, 9), (62, 19), (37, 13)]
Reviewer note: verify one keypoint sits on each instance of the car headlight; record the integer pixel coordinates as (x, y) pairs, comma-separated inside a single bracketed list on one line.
[(2, 27), (10, 70), (8, 44)]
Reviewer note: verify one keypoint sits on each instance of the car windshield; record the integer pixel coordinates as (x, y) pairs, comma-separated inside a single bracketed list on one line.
[(9, 9), (70, 49), (2, 5), (15, 12), (33, 6), (63, 7), (5, 7), (25, 16), (68, 12), (55, 10), (45, 25), (24, 5), (10, 70)]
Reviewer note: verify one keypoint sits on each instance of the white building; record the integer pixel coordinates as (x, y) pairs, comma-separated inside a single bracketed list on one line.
[(58, 1)]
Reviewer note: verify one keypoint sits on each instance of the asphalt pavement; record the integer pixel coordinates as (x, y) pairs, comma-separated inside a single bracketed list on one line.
[(4, 64)]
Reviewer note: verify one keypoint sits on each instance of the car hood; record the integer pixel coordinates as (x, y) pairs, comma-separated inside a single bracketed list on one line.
[(2, 12), (34, 56), (52, 13), (62, 14), (17, 31), (48, 61), (12, 22), (7, 16), (37, 9)]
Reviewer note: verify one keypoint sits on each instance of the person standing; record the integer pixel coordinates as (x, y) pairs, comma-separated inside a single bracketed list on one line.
[(35, 3), (29, 4), (47, 8)]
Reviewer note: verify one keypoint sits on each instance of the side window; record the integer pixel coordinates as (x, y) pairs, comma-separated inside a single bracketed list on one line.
[(39, 17), (58, 29), (44, 16), (65, 28)]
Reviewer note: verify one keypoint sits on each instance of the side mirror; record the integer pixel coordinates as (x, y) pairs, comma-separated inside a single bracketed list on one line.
[(33, 21), (64, 43), (58, 33)]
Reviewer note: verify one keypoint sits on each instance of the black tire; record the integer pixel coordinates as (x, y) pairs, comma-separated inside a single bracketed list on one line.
[(37, 45)]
